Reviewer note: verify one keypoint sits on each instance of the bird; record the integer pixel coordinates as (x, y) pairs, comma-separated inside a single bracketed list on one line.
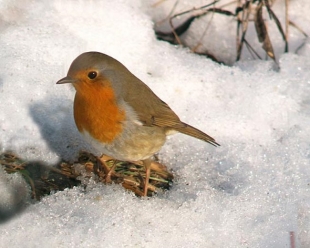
[(118, 114)]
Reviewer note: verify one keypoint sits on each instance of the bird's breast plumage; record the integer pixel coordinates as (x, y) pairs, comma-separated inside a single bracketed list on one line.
[(96, 111)]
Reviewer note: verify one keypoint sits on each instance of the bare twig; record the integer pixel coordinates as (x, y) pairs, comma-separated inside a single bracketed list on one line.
[(286, 21), (251, 49), (189, 21), (292, 240), (244, 25), (298, 28), (278, 23), (246, 11)]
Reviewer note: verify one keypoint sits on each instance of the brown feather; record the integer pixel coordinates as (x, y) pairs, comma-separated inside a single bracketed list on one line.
[(152, 111), (185, 129)]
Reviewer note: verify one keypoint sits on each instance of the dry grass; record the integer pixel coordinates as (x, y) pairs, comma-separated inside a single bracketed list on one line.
[(256, 11), (45, 179)]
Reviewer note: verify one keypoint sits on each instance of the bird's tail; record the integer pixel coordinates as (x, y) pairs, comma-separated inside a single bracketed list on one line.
[(194, 132)]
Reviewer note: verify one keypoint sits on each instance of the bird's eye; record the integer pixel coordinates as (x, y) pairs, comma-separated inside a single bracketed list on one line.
[(92, 75)]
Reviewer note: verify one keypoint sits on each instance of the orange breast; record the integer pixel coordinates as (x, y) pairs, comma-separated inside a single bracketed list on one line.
[(96, 111)]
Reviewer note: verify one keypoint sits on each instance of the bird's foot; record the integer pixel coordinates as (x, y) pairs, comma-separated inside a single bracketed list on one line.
[(102, 165), (158, 168)]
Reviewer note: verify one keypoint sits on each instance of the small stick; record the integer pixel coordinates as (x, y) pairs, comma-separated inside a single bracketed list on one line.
[(292, 239)]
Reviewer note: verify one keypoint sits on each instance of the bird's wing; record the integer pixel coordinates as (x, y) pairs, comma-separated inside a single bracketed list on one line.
[(152, 111)]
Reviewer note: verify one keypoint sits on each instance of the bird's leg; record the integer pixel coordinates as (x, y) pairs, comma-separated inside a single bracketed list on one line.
[(147, 165), (111, 172), (157, 167), (107, 170)]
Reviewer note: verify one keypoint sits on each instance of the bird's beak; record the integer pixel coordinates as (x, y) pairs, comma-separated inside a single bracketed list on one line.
[(66, 80)]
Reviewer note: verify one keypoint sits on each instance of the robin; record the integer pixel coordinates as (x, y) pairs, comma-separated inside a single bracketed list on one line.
[(118, 114)]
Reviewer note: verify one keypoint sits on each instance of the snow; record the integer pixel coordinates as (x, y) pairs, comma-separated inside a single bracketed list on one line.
[(250, 192)]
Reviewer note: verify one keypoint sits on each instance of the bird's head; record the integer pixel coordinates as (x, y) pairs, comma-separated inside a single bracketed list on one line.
[(94, 70)]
